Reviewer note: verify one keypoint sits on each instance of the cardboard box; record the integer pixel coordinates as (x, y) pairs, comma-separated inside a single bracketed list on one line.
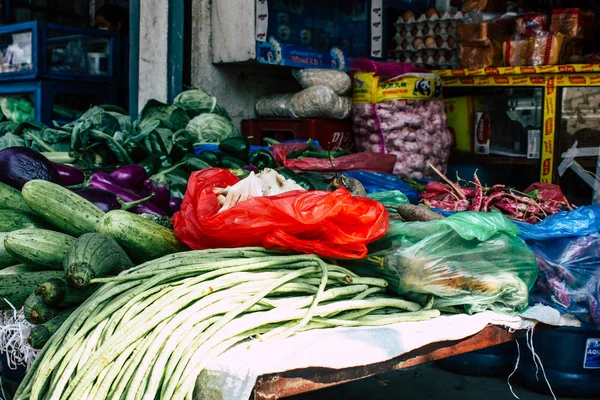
[(459, 111)]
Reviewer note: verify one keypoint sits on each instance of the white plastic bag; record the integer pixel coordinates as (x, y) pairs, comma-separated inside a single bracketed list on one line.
[(339, 81)]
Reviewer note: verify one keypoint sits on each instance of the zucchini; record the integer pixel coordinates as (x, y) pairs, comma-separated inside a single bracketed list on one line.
[(57, 293), (39, 246), (36, 311), (141, 238), (6, 260), (66, 210), (20, 281), (11, 199), (40, 334), (11, 220), (92, 256)]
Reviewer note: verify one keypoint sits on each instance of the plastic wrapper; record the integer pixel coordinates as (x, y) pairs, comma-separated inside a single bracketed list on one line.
[(374, 182), (330, 224), (403, 116), (359, 161), (545, 48), (531, 24), (568, 21), (391, 199), (470, 260), (338, 81), (474, 56), (567, 246), (314, 102), (275, 105), (320, 102), (515, 52)]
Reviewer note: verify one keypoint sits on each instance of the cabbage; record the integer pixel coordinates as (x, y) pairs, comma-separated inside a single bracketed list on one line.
[(211, 128), (197, 101)]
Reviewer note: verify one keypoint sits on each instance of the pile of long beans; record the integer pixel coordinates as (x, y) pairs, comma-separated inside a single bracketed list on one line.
[(149, 332)]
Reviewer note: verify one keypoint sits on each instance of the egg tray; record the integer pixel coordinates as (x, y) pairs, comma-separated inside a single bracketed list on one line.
[(430, 62), (399, 39), (423, 33), (445, 18), (432, 48)]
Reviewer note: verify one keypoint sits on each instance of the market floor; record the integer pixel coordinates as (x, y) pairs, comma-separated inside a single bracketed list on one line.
[(425, 383)]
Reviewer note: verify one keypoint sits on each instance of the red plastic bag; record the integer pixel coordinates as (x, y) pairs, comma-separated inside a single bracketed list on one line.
[(547, 191), (366, 161), (330, 224)]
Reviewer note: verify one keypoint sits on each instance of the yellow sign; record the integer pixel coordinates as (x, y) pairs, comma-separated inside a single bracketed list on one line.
[(544, 69), (548, 136), (369, 89), (516, 80)]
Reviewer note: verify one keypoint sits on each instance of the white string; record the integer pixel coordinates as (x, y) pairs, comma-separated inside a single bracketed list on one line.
[(529, 341), (539, 360), (14, 331), (4, 396), (515, 370)]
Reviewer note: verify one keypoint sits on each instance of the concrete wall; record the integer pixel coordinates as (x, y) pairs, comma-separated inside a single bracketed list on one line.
[(236, 86)]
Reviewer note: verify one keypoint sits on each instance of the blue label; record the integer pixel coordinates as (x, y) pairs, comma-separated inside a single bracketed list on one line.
[(592, 354)]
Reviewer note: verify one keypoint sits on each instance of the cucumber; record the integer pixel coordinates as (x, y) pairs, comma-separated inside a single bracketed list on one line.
[(40, 334), (20, 281), (39, 246), (11, 220), (6, 260), (64, 209), (11, 199), (94, 255), (36, 311), (57, 293), (141, 238)]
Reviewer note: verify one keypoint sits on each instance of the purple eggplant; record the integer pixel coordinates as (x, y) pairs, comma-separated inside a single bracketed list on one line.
[(175, 204), (161, 194), (99, 181), (69, 176), (108, 201), (20, 165), (130, 176)]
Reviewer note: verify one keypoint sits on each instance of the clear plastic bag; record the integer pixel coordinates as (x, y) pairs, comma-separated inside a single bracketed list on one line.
[(320, 102), (472, 260), (275, 105), (338, 81)]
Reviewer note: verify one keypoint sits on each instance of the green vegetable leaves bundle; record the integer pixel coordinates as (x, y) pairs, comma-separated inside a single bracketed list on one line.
[(106, 135)]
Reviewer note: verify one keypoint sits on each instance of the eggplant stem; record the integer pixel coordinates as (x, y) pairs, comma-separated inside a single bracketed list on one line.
[(131, 204)]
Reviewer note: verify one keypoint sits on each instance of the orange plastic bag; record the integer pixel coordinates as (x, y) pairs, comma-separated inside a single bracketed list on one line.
[(330, 224)]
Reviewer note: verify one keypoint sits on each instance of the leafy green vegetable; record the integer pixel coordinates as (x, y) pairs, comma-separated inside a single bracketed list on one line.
[(211, 128), (197, 101), (169, 116), (17, 109)]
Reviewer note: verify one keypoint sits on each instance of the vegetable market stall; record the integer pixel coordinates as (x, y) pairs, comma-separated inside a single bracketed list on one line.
[(315, 360), (272, 386)]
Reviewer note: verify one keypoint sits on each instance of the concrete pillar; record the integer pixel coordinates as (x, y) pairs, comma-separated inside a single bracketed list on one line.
[(153, 51)]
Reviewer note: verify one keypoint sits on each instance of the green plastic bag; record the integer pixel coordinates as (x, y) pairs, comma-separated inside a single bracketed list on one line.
[(391, 199), (472, 260)]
